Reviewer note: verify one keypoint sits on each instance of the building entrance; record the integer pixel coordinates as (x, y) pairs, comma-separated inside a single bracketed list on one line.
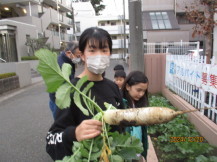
[(8, 48)]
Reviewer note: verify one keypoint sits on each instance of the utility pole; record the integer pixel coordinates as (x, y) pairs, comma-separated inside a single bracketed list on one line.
[(73, 21), (136, 36), (124, 23), (58, 16)]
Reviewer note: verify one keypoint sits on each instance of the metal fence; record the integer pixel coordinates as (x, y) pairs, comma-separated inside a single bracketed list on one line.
[(194, 80), (175, 48)]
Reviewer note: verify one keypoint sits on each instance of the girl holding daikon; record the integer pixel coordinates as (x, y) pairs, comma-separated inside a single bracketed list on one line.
[(71, 124)]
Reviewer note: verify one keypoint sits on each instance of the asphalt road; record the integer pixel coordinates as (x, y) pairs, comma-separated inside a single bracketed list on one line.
[(24, 121), (25, 118)]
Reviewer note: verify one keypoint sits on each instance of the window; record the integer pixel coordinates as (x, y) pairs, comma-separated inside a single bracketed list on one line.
[(182, 18), (102, 24), (160, 20), (114, 37), (157, 48)]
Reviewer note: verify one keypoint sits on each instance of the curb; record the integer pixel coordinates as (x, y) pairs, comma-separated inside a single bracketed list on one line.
[(151, 155)]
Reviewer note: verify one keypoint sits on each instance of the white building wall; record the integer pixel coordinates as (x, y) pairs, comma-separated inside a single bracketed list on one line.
[(86, 22), (85, 15)]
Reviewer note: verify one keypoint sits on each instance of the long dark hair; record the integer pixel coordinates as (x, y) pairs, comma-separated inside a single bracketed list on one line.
[(133, 78)]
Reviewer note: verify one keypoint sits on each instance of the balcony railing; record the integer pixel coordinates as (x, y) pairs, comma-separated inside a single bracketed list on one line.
[(116, 29), (119, 43)]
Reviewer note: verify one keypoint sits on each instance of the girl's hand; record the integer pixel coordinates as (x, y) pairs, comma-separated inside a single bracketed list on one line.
[(88, 129)]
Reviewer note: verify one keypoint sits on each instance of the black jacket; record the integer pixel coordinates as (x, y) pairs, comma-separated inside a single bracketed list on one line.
[(62, 58), (62, 133)]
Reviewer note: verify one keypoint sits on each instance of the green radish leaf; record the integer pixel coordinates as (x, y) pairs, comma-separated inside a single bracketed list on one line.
[(125, 145), (84, 152), (116, 158), (63, 99), (109, 106), (77, 97), (66, 71), (77, 101), (91, 104), (85, 90), (65, 159), (49, 69), (81, 82)]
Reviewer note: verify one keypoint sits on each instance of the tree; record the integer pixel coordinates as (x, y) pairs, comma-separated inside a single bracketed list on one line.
[(204, 21), (97, 6), (35, 44)]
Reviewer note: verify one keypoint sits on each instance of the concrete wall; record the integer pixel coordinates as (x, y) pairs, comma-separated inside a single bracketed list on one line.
[(155, 71), (178, 5), (189, 28), (33, 63), (167, 36), (8, 84), (22, 69), (151, 5), (29, 20)]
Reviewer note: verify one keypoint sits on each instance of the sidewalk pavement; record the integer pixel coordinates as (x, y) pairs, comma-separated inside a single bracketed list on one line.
[(151, 156)]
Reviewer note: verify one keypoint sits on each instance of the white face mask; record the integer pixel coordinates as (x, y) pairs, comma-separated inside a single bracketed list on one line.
[(76, 60), (97, 64)]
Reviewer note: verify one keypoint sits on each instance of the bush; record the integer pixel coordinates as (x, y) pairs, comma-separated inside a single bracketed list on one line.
[(168, 149), (24, 58), (7, 75)]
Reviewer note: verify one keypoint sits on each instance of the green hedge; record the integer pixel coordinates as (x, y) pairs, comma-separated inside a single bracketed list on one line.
[(7, 75), (24, 58)]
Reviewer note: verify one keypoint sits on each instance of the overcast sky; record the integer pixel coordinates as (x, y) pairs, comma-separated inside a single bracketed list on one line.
[(114, 7)]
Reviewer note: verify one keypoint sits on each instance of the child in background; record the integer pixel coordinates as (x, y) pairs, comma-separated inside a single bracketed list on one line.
[(119, 78), (135, 94), (118, 67)]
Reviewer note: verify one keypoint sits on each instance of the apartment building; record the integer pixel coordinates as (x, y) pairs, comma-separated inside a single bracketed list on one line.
[(118, 28), (21, 19), (85, 17), (165, 21)]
